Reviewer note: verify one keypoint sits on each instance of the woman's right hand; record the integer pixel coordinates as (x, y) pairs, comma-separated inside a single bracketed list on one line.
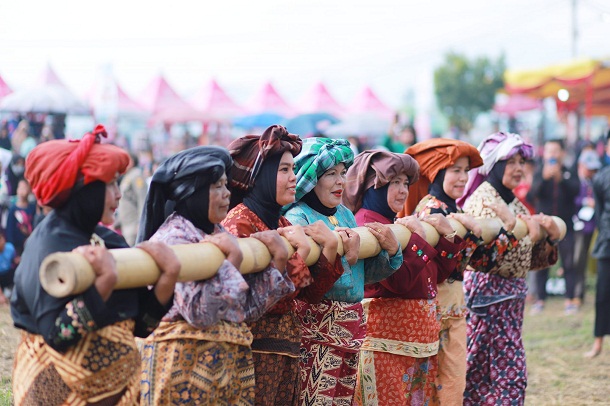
[(440, 224), (468, 222), (413, 225), (274, 243), (504, 214), (227, 244), (324, 237), (533, 227), (104, 266), (297, 238), (351, 244)]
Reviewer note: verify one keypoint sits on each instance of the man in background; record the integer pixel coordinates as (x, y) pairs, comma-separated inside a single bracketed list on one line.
[(133, 188), (553, 192)]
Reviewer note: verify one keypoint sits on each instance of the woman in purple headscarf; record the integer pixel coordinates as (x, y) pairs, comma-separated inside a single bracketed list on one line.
[(495, 288)]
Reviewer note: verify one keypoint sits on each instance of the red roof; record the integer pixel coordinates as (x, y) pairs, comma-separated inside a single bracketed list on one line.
[(319, 100), (268, 100), (214, 101)]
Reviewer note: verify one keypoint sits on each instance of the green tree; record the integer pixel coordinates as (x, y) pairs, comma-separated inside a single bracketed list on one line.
[(464, 88)]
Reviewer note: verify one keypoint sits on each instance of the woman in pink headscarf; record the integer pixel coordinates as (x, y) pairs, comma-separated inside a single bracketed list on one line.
[(495, 287)]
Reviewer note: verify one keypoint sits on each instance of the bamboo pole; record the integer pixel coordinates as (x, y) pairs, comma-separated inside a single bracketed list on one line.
[(67, 273)]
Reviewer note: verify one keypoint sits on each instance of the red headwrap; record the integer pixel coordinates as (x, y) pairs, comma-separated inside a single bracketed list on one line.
[(53, 167), (250, 152)]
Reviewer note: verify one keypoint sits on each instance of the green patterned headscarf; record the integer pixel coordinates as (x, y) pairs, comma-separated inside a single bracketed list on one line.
[(317, 156)]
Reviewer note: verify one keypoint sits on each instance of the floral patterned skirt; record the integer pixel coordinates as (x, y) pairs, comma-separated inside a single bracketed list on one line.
[(398, 360)]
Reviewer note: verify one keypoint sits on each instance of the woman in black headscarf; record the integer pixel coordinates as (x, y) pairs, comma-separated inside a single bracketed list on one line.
[(201, 351)]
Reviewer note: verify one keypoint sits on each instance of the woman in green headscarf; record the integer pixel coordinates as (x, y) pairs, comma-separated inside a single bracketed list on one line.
[(333, 330)]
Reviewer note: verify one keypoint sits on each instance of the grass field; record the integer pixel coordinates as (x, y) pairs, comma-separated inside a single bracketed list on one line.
[(555, 343)]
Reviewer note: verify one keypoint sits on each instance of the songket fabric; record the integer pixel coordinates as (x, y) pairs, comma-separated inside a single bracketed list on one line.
[(398, 362)]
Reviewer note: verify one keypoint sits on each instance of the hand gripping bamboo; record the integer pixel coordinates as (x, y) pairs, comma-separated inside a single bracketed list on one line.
[(67, 273)]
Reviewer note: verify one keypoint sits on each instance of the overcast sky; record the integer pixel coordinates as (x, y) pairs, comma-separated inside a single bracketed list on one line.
[(390, 45)]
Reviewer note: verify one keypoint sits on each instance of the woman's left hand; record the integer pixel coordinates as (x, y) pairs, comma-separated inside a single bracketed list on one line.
[(168, 263), (385, 236), (351, 244), (533, 226)]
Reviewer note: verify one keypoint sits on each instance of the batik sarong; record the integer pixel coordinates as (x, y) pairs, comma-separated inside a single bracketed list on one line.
[(332, 335), (186, 365), (102, 369)]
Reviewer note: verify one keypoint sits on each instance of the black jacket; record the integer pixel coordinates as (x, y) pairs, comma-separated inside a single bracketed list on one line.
[(556, 199), (601, 192)]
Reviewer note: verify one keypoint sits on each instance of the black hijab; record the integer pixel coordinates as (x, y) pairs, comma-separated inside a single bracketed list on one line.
[(262, 199), (495, 179), (312, 200), (85, 206), (183, 181), (436, 189), (377, 201)]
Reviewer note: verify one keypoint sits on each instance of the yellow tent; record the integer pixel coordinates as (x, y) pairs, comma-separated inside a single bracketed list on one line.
[(586, 80)]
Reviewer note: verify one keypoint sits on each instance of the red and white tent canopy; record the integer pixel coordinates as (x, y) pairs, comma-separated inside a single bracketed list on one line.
[(368, 102), (268, 100), (214, 101), (319, 100)]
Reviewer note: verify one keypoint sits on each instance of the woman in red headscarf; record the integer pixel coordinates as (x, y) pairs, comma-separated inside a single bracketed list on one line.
[(398, 359), (80, 349), (264, 179)]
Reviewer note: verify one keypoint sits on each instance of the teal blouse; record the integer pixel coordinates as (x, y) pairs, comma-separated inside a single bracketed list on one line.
[(350, 286)]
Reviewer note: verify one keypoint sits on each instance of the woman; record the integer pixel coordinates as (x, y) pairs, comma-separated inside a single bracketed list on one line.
[(495, 289), (333, 330), (398, 361), (81, 349), (201, 352), (268, 187), (444, 166)]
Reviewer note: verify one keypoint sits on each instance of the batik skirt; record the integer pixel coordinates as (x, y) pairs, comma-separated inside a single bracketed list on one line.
[(186, 365), (332, 335), (102, 369)]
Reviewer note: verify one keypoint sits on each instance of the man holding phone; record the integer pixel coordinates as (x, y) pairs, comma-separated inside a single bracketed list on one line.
[(553, 191)]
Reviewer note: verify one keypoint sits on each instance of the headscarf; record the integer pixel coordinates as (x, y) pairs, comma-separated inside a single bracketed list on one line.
[(375, 169), (495, 148), (251, 151), (262, 199), (85, 207), (54, 167), (184, 180), (318, 156), (256, 159), (435, 155)]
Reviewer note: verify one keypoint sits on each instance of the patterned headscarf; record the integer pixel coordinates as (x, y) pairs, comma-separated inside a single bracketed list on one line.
[(376, 169), (250, 152), (495, 148), (54, 167), (434, 155), (318, 156)]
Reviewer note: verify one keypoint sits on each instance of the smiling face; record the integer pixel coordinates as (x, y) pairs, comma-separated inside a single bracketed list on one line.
[(514, 171), (111, 201), (456, 177), (219, 200), (398, 191), (285, 190), (329, 188)]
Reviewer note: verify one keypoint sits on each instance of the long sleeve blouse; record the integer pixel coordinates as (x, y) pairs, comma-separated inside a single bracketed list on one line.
[(423, 266), (350, 286), (63, 322), (311, 283)]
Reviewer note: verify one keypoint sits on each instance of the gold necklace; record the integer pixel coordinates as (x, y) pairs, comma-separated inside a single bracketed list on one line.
[(333, 220)]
